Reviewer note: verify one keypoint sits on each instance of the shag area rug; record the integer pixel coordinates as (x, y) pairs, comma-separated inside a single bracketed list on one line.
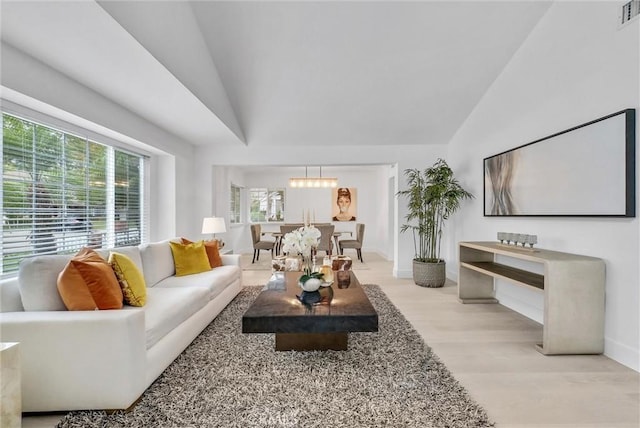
[(229, 379)]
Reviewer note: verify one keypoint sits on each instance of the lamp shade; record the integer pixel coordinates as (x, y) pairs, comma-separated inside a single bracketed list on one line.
[(213, 225)]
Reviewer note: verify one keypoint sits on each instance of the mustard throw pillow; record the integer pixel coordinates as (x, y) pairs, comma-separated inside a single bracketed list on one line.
[(189, 258), (130, 278), (213, 251), (88, 283)]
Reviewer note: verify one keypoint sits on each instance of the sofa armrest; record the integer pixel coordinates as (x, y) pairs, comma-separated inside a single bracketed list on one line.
[(10, 299), (76, 360), (230, 259)]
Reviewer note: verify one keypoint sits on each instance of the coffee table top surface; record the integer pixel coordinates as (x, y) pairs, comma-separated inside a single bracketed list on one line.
[(344, 308)]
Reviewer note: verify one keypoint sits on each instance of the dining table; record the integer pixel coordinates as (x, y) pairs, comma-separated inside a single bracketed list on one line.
[(337, 234), (279, 235)]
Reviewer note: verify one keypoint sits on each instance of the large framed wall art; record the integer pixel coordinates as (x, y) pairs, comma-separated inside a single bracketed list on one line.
[(588, 170)]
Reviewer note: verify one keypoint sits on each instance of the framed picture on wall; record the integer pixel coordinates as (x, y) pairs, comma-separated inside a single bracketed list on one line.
[(588, 170), (344, 204)]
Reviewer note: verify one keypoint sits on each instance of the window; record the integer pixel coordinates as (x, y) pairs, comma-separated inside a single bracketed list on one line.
[(61, 192), (266, 205), (234, 211)]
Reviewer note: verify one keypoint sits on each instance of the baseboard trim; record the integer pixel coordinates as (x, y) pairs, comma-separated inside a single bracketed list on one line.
[(622, 354)]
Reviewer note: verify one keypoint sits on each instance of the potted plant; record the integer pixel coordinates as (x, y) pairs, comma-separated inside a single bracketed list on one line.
[(433, 196)]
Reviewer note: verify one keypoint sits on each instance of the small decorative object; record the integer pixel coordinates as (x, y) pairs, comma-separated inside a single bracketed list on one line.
[(327, 273), (517, 238), (303, 241), (532, 239), (279, 264), (344, 278), (292, 264), (310, 282), (342, 263), (277, 281)]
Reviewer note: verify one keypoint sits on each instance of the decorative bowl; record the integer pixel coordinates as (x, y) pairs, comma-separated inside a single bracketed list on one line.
[(312, 284)]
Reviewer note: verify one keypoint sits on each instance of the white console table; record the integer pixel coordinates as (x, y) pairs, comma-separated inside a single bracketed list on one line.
[(573, 287)]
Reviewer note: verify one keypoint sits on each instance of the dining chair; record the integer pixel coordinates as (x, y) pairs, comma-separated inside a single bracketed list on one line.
[(354, 243), (258, 243), (286, 228), (326, 238)]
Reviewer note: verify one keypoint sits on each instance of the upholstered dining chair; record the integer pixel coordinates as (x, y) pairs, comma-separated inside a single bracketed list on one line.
[(354, 243), (326, 238), (258, 243), (284, 229)]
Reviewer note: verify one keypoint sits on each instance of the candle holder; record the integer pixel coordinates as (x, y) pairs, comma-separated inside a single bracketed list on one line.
[(517, 238)]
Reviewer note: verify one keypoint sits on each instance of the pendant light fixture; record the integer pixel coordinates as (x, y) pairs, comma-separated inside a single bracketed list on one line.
[(307, 181)]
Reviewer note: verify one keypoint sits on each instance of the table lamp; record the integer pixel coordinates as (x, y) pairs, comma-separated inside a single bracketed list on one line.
[(214, 225)]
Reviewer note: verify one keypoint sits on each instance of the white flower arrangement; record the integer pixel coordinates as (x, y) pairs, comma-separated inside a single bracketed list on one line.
[(301, 241)]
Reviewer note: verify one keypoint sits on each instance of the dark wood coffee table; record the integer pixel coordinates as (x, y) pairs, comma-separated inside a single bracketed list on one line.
[(343, 308)]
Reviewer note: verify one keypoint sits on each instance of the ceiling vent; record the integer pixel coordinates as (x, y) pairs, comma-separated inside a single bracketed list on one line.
[(629, 11)]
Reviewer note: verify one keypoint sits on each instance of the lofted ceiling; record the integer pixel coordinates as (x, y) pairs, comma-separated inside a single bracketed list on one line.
[(263, 73)]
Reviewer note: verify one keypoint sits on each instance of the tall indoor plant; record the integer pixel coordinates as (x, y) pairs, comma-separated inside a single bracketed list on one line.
[(433, 196)]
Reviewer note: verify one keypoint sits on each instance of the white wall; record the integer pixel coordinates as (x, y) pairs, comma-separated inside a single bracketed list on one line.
[(372, 202), (576, 66), (214, 166), (38, 86)]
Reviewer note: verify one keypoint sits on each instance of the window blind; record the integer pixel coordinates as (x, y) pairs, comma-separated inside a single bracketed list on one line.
[(62, 192)]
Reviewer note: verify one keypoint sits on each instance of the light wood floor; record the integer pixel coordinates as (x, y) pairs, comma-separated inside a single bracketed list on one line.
[(490, 350)]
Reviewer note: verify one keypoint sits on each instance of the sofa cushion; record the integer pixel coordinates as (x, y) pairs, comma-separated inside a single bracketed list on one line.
[(215, 280), (37, 280), (131, 251), (10, 300), (167, 308), (213, 251), (189, 259), (130, 279), (157, 262), (87, 283)]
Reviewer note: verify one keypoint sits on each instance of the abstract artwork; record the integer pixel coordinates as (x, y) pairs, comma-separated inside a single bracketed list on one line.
[(588, 170)]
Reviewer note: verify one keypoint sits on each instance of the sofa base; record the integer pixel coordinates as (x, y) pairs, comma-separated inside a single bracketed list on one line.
[(162, 354)]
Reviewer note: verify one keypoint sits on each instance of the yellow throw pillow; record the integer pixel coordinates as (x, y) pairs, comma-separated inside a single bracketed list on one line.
[(212, 249), (88, 283), (189, 258), (130, 278)]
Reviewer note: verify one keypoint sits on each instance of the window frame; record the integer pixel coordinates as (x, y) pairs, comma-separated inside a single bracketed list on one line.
[(68, 240), (268, 191), (235, 204)]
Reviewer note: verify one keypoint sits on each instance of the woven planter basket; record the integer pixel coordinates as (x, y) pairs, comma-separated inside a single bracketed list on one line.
[(428, 274)]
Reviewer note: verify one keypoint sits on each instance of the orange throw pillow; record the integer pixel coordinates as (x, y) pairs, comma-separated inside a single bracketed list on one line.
[(88, 283), (212, 249)]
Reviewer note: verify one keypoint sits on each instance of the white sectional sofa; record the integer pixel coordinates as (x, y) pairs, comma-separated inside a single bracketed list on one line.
[(78, 360)]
